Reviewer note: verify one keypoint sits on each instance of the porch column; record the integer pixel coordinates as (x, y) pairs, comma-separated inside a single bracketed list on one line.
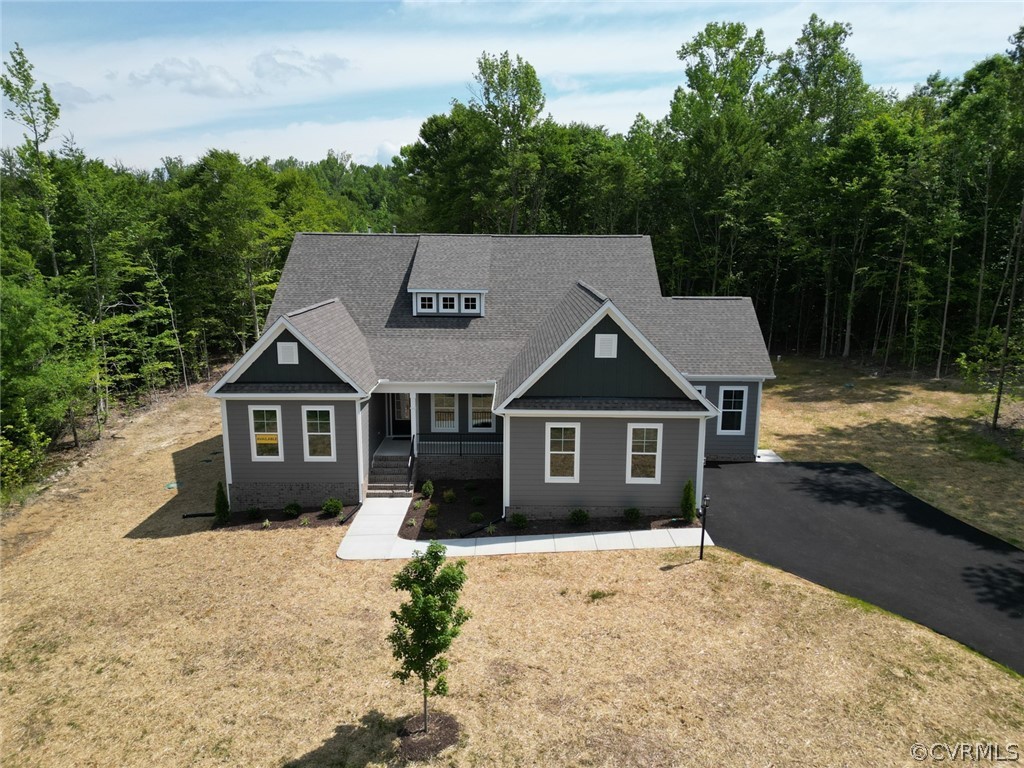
[(414, 427)]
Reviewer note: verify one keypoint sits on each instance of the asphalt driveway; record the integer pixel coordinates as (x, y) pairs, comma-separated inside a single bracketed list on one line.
[(844, 527)]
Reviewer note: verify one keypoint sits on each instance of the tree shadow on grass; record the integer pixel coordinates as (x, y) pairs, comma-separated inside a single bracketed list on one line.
[(197, 469), (356, 746)]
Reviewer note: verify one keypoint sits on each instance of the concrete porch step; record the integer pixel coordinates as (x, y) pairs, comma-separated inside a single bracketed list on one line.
[(386, 493)]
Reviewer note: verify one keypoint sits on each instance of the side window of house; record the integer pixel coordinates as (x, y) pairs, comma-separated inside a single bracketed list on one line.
[(444, 418), (731, 401), (265, 433), (481, 418), (643, 453), (318, 432), (562, 453)]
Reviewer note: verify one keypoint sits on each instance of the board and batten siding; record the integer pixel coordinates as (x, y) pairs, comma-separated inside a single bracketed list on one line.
[(266, 370), (732, 447), (271, 484), (602, 488)]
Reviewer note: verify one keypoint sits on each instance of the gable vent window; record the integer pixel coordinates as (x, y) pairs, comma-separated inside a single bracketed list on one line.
[(287, 353), (606, 345)]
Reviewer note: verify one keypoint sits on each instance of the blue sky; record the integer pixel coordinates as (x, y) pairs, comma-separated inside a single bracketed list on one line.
[(139, 81)]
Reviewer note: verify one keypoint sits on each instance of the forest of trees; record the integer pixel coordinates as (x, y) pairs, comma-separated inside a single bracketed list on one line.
[(863, 224)]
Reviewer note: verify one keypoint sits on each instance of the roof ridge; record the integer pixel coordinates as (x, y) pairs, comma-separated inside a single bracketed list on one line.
[(311, 307), (708, 298), (592, 291)]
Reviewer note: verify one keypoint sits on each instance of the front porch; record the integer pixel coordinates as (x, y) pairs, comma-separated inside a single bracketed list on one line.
[(439, 445)]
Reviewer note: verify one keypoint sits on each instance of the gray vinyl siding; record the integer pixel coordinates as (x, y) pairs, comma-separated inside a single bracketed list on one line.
[(602, 471), (631, 373), (732, 447), (266, 369), (294, 468), (425, 416)]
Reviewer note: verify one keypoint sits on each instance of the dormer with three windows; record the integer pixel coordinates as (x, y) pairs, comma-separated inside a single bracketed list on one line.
[(450, 276)]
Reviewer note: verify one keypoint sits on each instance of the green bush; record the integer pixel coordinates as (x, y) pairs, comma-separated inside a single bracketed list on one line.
[(304, 522), (476, 517), (417, 504), (519, 521), (266, 524), (431, 511), (579, 517), (471, 486), (491, 529), (293, 509), (427, 489), (632, 515), (448, 495), (478, 501), (333, 506), (221, 508), (254, 513), (688, 504), (429, 525)]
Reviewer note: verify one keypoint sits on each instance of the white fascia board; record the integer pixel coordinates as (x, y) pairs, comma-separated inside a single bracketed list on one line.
[(436, 387), (263, 342), (226, 446), (699, 378), (609, 414), (447, 290), (288, 396)]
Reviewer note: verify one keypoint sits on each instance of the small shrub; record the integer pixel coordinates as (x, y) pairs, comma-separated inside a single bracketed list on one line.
[(333, 506), (221, 508), (632, 515), (688, 504), (417, 504), (519, 521), (470, 486), (266, 524), (429, 525), (293, 509), (432, 511), (452, 533), (599, 594), (304, 522), (579, 517), (254, 513), (427, 489), (476, 517), (448, 495), (478, 501), (491, 529), (410, 523)]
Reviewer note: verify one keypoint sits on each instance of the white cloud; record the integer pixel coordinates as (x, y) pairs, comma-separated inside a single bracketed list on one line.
[(282, 66), (192, 77), (70, 96)]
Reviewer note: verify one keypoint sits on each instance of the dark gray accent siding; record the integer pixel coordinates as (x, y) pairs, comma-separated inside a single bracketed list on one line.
[(732, 447), (265, 368), (631, 373), (425, 416), (602, 460), (293, 475)]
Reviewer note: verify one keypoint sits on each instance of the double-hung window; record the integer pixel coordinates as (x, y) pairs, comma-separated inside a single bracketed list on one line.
[(732, 402), (265, 433), (562, 452), (643, 453), (444, 417), (481, 419), (318, 432)]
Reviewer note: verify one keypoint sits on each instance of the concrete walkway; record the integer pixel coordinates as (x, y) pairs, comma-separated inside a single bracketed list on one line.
[(373, 535)]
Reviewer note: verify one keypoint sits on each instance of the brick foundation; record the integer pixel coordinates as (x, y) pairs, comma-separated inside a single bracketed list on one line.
[(458, 467), (560, 512), (276, 495)]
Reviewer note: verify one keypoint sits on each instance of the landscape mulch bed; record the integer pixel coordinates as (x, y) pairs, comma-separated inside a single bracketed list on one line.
[(256, 520), (484, 496), (442, 732)]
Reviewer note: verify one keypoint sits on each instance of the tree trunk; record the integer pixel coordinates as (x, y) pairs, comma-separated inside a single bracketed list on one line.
[(945, 310), (984, 248), (895, 302), (849, 309), (775, 291), (1009, 323), (424, 706), (74, 426)]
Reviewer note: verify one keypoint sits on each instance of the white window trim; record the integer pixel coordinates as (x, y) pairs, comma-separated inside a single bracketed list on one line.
[(547, 452), (656, 480), (420, 309), (603, 337), (252, 433), (494, 418), (702, 389), (440, 301), (743, 413), (462, 303), (305, 433), (433, 413), (287, 353)]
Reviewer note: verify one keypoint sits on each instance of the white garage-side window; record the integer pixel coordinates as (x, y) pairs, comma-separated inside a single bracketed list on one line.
[(562, 452), (318, 432), (643, 453), (265, 433), (732, 402)]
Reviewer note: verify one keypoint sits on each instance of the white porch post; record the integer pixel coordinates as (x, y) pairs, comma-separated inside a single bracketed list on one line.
[(506, 461)]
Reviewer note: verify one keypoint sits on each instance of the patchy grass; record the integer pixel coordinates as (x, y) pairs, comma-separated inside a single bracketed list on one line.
[(133, 637), (929, 437)]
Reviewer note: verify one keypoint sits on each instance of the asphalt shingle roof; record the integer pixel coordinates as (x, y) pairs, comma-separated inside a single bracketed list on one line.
[(533, 299)]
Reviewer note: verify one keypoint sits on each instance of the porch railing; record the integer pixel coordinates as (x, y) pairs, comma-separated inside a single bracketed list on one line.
[(435, 444)]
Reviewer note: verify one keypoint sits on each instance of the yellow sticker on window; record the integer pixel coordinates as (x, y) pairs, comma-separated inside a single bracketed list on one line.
[(265, 439)]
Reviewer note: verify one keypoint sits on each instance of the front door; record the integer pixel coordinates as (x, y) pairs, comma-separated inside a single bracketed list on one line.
[(399, 415)]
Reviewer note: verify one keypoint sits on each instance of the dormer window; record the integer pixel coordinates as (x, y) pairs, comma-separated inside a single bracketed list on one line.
[(449, 302), (470, 303), (425, 302)]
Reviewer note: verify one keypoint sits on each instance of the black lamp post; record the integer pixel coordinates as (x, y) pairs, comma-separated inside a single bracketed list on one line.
[(704, 504)]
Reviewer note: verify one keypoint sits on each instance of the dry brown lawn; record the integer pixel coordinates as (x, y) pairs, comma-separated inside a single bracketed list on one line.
[(132, 637), (928, 437)]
